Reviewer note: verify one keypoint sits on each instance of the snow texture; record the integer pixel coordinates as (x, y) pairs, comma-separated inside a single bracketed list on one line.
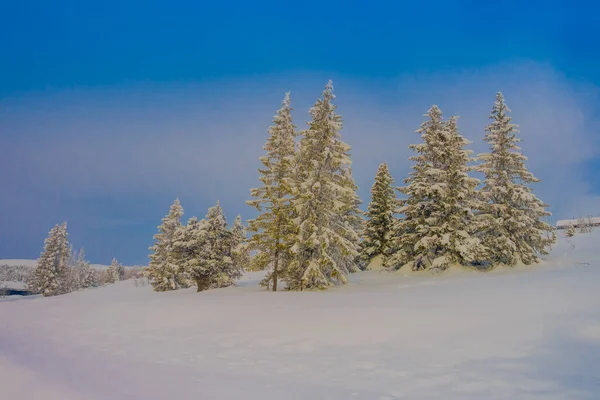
[(524, 333)]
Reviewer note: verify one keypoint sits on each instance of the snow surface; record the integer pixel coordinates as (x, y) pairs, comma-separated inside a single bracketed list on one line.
[(528, 333), (13, 285)]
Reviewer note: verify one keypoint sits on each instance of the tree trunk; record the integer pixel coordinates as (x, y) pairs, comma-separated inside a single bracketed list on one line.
[(201, 285), (275, 266)]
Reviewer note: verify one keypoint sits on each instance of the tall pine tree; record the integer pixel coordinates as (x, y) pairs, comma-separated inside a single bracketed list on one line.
[(163, 273), (512, 216), (326, 203), (379, 226), (273, 230), (436, 227), (50, 276)]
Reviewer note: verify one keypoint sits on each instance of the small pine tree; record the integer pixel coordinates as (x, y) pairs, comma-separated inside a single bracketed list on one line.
[(72, 280), (112, 272), (513, 217), (203, 248), (89, 275), (162, 272), (326, 203), (273, 230), (121, 272), (379, 226), (570, 231), (437, 225), (239, 244), (50, 276), (81, 273)]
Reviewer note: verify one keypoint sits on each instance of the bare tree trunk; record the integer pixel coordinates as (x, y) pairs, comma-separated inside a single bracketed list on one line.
[(275, 266), (201, 285)]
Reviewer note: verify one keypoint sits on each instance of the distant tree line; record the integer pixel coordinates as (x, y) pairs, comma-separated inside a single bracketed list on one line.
[(61, 269)]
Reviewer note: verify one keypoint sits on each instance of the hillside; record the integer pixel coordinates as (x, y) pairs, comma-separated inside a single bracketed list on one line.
[(529, 333)]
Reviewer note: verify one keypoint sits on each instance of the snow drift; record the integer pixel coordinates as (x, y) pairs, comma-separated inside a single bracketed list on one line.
[(527, 333)]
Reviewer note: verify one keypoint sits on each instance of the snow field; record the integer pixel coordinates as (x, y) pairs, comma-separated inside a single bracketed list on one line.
[(530, 333)]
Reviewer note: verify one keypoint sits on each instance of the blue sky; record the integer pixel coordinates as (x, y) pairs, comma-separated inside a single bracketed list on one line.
[(110, 110)]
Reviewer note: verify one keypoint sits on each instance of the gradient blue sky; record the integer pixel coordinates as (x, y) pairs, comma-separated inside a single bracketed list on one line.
[(109, 110)]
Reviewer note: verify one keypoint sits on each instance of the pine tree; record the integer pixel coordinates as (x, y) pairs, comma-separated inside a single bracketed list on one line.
[(112, 272), (49, 277), (121, 272), (273, 230), (188, 249), (326, 203), (72, 281), (203, 248), (512, 216), (162, 271), (81, 273), (239, 245), (570, 231), (379, 226), (89, 276), (437, 224)]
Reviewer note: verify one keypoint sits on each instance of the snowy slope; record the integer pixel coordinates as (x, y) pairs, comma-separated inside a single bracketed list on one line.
[(510, 334)]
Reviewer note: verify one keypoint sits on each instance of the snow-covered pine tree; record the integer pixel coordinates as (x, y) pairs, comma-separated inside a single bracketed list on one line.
[(50, 275), (273, 229), (239, 244), (85, 274), (72, 280), (112, 272), (75, 274), (217, 255), (162, 272), (188, 249), (512, 216), (326, 203), (203, 248), (435, 230), (570, 232), (89, 275), (379, 226), (121, 272)]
